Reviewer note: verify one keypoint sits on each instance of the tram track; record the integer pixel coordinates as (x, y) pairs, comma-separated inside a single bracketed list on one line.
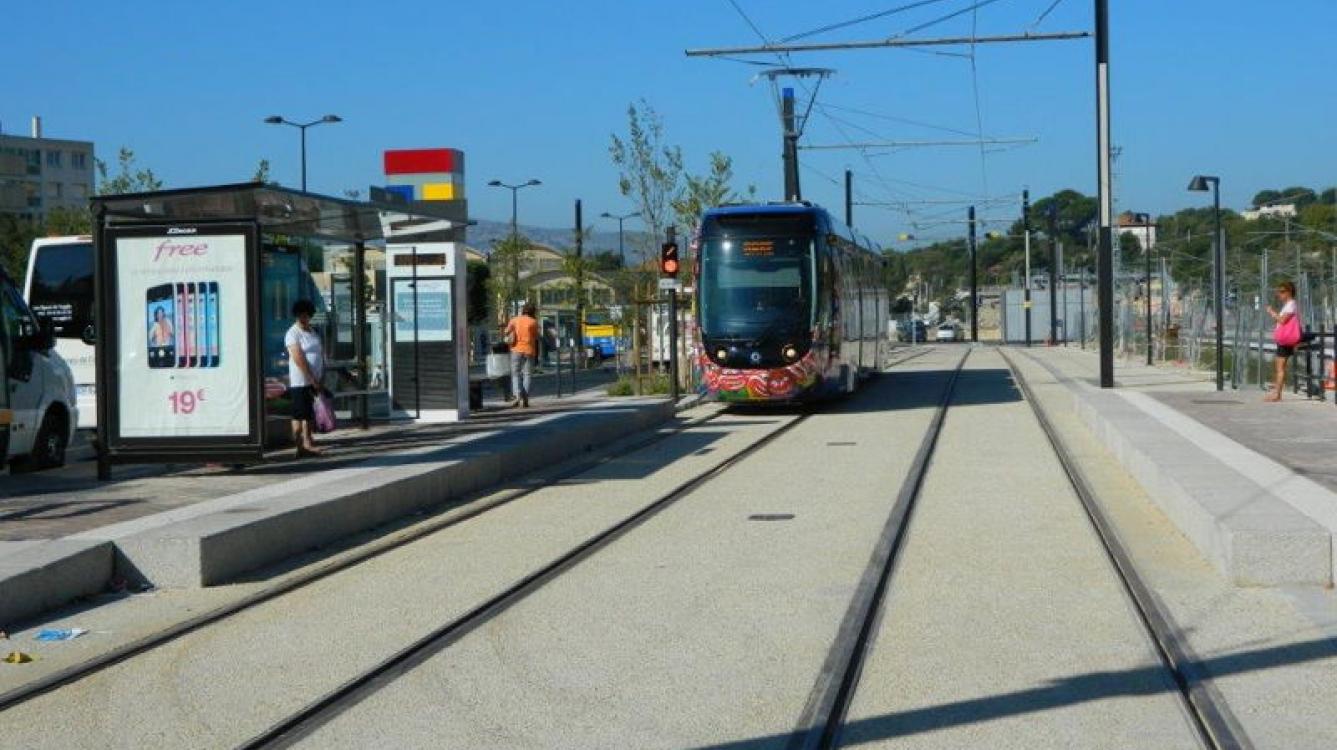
[(301, 724), (474, 506), (1216, 726), (824, 713)]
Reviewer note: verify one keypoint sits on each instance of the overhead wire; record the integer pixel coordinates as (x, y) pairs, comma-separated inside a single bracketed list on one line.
[(859, 20)]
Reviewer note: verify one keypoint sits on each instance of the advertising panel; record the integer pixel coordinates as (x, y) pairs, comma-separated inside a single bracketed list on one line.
[(183, 357), (433, 314)]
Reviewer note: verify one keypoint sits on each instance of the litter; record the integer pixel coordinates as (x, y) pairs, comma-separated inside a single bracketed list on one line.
[(59, 634), (17, 657)]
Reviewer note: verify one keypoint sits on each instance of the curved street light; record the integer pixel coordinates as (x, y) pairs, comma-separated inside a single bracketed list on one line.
[(302, 126), (1201, 184), (621, 253)]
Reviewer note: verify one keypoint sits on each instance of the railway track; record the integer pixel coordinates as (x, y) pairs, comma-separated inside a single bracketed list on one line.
[(822, 721)]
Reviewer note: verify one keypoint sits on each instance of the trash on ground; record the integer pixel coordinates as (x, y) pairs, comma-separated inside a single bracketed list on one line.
[(59, 634), (17, 657)]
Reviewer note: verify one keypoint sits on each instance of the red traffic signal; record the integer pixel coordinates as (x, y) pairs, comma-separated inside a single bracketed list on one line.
[(668, 259)]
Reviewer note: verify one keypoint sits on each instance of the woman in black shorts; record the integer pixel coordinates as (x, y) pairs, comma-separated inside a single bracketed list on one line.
[(1286, 335)]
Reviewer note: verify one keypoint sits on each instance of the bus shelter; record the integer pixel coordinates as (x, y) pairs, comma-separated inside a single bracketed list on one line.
[(194, 289)]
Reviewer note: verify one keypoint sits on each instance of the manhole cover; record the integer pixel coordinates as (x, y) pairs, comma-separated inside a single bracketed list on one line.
[(770, 517)]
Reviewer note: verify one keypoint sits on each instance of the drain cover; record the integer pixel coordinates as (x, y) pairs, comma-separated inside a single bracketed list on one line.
[(770, 517)]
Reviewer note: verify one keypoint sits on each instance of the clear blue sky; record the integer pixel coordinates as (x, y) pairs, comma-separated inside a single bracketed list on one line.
[(533, 89)]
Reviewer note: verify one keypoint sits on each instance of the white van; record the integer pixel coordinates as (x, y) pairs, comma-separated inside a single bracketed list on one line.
[(38, 407), (59, 290)]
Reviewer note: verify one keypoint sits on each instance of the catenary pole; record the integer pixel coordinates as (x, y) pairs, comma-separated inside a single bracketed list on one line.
[(1053, 268), (792, 191), (1105, 262), (1026, 286), (849, 199), (974, 281)]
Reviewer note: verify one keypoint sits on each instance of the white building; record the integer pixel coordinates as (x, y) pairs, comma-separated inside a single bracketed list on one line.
[(1279, 211), (1141, 226)]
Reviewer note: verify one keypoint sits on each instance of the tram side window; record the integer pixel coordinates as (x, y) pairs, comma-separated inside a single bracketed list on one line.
[(62, 288)]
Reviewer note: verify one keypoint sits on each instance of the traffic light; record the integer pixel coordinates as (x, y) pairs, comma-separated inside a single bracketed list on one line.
[(668, 259)]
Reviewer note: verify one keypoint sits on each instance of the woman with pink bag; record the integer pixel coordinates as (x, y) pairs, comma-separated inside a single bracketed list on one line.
[(1286, 335)]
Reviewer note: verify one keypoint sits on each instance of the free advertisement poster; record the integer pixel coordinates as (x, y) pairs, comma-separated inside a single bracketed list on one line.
[(183, 360)]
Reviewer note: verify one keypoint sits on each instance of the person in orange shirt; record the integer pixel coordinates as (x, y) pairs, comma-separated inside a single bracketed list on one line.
[(522, 333)]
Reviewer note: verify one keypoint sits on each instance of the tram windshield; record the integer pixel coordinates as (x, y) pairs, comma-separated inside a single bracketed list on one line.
[(757, 275)]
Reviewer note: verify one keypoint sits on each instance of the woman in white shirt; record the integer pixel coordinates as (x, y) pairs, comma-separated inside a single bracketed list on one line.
[(1285, 320), (306, 364)]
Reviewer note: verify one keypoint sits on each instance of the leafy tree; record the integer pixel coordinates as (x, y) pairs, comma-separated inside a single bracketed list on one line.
[(128, 179), (649, 170), (262, 173), (478, 274), (604, 260), (63, 221), (16, 236), (700, 192), (508, 260)]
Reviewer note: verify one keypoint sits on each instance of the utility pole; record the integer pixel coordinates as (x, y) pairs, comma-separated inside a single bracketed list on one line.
[(792, 191), (1146, 232), (1026, 231), (1105, 275), (849, 199), (1053, 266), (1063, 279), (578, 360), (974, 284)]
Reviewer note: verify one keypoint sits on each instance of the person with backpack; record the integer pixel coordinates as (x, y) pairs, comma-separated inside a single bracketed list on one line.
[(1286, 334), (522, 333)]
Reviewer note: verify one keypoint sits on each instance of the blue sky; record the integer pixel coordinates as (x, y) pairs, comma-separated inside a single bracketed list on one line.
[(1247, 90)]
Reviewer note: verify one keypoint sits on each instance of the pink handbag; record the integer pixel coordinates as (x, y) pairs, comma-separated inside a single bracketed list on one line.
[(1288, 333), (324, 408)]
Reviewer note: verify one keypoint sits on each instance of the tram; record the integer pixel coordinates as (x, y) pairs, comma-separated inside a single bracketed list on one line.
[(790, 304)]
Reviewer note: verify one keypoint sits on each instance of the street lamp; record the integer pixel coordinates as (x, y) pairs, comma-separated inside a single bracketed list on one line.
[(515, 229), (620, 251), (302, 126), (1199, 185), (1145, 219)]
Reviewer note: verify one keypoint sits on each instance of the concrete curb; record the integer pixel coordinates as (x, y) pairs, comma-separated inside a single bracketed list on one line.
[(219, 540), (48, 575), (1251, 535)]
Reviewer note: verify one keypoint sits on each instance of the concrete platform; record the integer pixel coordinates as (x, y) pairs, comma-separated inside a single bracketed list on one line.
[(1255, 519), (216, 540)]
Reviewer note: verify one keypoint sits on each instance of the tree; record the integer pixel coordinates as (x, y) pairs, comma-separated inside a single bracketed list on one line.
[(649, 170), (16, 236), (262, 173), (64, 221), (128, 178), (700, 192), (508, 260), (478, 274)]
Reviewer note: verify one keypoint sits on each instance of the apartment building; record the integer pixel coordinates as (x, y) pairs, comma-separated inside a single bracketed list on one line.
[(39, 174)]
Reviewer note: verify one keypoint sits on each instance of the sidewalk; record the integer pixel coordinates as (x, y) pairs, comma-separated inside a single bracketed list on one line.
[(64, 535), (1252, 484)]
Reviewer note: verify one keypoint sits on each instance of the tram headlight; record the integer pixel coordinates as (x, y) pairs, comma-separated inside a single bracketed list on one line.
[(790, 352), (721, 356)]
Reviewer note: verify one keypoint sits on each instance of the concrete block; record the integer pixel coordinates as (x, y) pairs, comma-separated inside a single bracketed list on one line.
[(45, 576), (213, 548), (1252, 536)]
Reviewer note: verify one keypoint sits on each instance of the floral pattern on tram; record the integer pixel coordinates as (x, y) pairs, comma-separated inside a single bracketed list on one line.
[(779, 384)]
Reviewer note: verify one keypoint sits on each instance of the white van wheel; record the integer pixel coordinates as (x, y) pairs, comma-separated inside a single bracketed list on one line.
[(48, 450)]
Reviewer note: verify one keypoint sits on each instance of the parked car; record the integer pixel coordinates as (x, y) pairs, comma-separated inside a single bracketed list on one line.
[(912, 331), (950, 332), (38, 408)]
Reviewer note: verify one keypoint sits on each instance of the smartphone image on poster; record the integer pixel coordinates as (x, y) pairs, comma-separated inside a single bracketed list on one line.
[(180, 298), (160, 311), (212, 324), (192, 322)]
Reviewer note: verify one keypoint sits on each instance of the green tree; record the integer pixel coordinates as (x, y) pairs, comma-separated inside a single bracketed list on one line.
[(262, 173), (64, 221), (649, 169), (701, 192), (129, 178), (16, 236), (508, 261), (478, 274)]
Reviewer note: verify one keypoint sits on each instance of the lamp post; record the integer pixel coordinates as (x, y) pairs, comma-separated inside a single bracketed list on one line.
[(302, 126), (515, 226), (621, 253), (1199, 185), (1146, 251)]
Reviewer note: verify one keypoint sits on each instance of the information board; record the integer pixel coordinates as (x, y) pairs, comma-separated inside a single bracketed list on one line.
[(433, 318), (183, 355)]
